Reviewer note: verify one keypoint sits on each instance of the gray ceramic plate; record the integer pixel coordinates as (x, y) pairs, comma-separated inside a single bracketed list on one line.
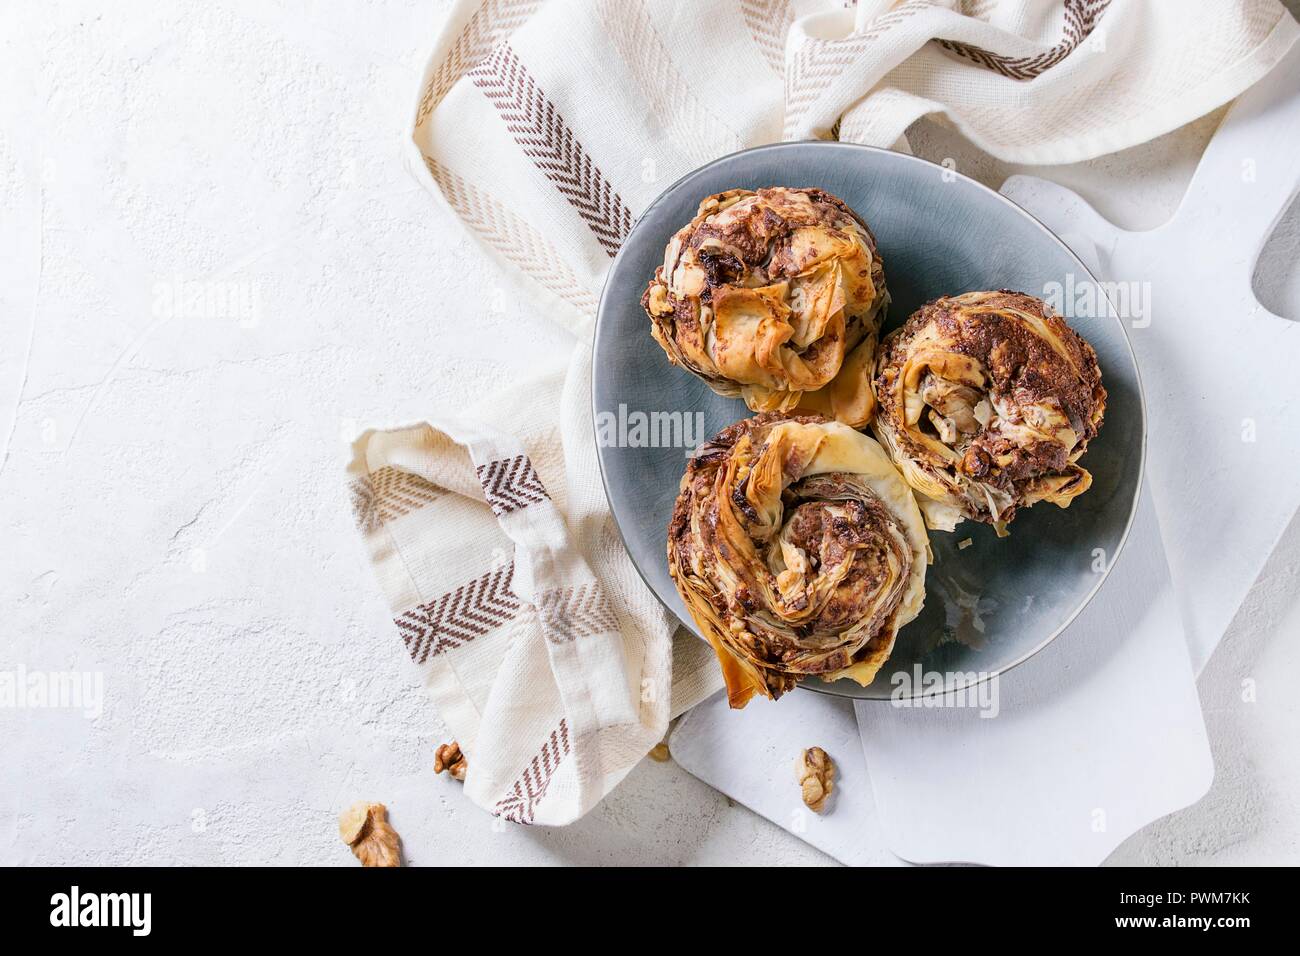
[(989, 605)]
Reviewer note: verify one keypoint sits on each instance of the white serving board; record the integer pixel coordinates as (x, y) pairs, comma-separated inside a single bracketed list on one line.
[(749, 755), (1093, 738)]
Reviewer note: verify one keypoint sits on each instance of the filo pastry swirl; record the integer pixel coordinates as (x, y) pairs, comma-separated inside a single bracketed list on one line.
[(775, 296), (987, 401), (799, 551)]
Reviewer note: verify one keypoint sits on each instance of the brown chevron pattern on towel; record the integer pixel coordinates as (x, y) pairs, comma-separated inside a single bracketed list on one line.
[(570, 613), (769, 22), (388, 493), (520, 804), (548, 141), (459, 616), (510, 484), (694, 129), (1081, 18), (491, 23), (515, 240), (819, 63)]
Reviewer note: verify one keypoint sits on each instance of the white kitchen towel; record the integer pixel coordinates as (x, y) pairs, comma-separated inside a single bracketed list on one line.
[(542, 648), (1055, 82), (1059, 760), (546, 127)]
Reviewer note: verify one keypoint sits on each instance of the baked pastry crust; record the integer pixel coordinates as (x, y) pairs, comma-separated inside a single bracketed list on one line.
[(775, 296), (799, 551), (987, 401)]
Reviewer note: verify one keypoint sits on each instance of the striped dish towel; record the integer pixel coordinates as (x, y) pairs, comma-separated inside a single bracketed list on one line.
[(546, 126)]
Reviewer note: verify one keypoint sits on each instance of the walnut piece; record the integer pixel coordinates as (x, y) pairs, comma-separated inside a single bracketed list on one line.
[(364, 827), (448, 757), (660, 752), (815, 772)]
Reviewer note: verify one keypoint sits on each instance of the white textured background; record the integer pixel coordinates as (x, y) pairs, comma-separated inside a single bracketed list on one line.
[(172, 509)]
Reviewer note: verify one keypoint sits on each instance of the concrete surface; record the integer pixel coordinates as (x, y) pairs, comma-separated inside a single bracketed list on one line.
[(214, 270)]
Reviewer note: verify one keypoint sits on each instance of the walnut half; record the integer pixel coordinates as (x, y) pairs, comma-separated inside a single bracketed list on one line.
[(815, 772), (448, 757), (364, 827)]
